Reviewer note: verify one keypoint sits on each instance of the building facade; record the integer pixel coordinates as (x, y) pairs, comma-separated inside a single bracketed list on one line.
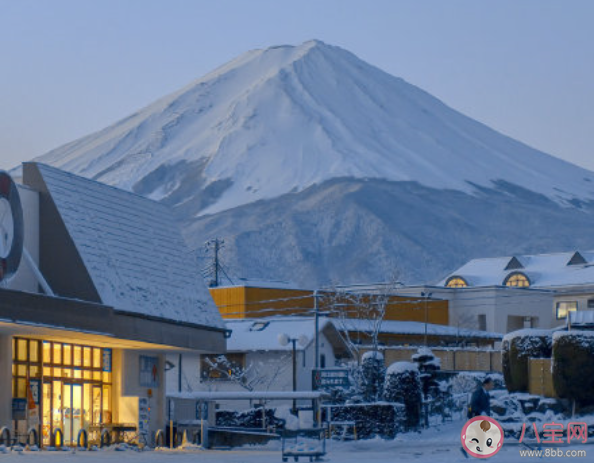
[(257, 360), (567, 277), (103, 290)]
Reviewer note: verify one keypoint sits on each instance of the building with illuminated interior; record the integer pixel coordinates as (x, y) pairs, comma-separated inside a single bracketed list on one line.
[(96, 287)]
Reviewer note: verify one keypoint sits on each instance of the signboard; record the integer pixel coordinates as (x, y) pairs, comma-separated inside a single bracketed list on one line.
[(19, 409), (33, 402), (35, 386), (149, 371), (144, 416), (107, 360), (330, 378)]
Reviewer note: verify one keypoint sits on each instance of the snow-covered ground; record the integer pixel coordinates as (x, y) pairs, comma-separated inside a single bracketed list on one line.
[(437, 445)]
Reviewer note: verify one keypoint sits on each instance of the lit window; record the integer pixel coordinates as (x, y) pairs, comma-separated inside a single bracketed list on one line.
[(563, 309), (517, 280), (456, 282)]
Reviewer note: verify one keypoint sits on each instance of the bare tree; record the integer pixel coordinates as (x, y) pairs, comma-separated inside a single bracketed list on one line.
[(254, 376), (360, 315)]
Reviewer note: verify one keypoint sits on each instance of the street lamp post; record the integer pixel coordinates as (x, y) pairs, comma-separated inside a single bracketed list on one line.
[(284, 340)]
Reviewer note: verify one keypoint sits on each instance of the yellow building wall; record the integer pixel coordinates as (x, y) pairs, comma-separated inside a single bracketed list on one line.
[(251, 302), (230, 301), (246, 302)]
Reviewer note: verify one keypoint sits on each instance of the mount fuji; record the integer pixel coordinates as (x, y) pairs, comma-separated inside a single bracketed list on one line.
[(317, 167)]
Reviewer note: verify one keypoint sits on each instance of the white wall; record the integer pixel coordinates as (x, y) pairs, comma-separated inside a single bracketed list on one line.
[(127, 389), (581, 296), (496, 303), (275, 368)]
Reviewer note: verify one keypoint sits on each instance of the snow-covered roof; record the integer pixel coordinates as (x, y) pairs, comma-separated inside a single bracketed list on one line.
[(132, 249), (263, 334), (418, 328), (543, 270), (248, 395)]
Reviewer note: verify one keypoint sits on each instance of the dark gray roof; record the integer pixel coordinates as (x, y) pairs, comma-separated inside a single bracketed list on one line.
[(133, 250)]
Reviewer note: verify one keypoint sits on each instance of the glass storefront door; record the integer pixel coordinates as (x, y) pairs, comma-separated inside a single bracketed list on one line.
[(74, 382), (46, 418), (73, 412)]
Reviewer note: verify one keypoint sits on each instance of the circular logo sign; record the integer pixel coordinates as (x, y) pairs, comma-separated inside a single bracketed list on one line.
[(482, 437), (11, 227)]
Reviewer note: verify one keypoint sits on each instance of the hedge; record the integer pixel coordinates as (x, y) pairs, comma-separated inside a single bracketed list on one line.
[(517, 348), (573, 366)]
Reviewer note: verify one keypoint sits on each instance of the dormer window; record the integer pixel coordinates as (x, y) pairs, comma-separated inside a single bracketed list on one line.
[(456, 282), (514, 264), (517, 280), (577, 259)]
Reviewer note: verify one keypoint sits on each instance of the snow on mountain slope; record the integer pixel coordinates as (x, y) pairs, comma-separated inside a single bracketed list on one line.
[(283, 119), (360, 231)]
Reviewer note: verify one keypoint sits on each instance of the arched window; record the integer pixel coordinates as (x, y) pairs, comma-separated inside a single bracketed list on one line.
[(456, 282), (517, 279)]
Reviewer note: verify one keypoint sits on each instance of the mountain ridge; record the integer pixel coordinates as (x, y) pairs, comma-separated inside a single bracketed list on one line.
[(254, 148), (317, 111)]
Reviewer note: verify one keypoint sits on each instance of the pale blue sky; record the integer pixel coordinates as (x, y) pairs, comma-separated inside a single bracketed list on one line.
[(70, 67)]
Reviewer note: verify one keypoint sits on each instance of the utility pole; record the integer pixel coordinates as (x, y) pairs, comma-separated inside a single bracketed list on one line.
[(315, 404), (294, 341), (217, 247), (215, 270)]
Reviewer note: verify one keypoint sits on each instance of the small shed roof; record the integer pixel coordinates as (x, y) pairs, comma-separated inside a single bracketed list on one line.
[(249, 395), (262, 334)]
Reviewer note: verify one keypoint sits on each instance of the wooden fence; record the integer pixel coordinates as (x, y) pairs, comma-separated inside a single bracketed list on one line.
[(452, 359), (540, 378)]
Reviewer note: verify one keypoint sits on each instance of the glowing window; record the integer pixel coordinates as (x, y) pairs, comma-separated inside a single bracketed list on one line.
[(456, 282), (563, 309), (518, 280)]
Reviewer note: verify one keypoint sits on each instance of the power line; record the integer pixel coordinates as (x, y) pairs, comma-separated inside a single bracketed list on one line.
[(216, 268)]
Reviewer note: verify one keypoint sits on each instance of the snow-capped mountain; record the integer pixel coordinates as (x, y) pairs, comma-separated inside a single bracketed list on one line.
[(255, 150)]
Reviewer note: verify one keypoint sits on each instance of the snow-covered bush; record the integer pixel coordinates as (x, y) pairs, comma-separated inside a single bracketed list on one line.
[(517, 348), (371, 420), (251, 418), (573, 365), (373, 372), (428, 365), (403, 385)]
